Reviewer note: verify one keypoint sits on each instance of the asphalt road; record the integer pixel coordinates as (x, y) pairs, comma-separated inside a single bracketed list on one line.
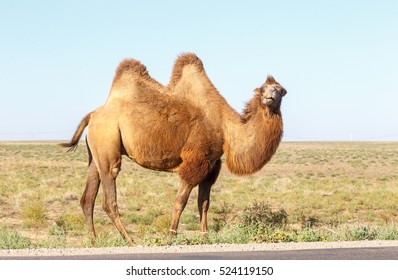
[(370, 253)]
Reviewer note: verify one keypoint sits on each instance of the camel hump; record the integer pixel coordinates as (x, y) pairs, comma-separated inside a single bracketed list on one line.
[(182, 61), (131, 67), (188, 59)]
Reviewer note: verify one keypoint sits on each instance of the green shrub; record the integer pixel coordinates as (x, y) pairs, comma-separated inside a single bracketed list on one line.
[(311, 235), (361, 233), (390, 232), (11, 239)]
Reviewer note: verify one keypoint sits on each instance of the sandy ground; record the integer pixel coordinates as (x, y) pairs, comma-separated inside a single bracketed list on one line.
[(199, 248)]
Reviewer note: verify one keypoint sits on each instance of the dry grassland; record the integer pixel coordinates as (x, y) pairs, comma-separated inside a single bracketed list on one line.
[(324, 192)]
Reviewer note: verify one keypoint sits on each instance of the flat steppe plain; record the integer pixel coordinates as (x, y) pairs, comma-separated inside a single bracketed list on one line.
[(329, 191)]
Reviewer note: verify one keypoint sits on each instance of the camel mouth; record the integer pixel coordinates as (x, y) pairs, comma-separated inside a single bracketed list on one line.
[(268, 100)]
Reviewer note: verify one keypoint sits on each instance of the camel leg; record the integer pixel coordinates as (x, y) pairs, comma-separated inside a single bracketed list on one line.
[(109, 167), (109, 204), (204, 194), (88, 198), (179, 204)]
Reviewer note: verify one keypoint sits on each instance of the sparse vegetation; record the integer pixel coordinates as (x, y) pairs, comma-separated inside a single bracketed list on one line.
[(308, 192), (12, 239), (33, 213)]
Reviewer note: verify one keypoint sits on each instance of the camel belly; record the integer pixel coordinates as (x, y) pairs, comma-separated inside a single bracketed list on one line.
[(165, 164), (162, 155)]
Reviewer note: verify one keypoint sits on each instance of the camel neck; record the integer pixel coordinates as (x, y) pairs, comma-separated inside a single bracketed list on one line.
[(250, 143)]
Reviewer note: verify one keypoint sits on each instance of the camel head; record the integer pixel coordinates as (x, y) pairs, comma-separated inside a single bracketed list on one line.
[(271, 93)]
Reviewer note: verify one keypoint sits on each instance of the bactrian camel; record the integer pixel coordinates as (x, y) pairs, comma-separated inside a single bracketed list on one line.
[(184, 127)]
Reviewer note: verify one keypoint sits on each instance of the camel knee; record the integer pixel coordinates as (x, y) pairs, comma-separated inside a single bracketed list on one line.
[(115, 171), (115, 168)]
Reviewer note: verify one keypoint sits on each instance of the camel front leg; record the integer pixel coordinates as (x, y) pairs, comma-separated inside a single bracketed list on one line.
[(179, 204), (204, 194)]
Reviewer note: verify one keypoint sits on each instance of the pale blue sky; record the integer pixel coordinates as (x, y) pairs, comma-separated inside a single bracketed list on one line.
[(338, 60)]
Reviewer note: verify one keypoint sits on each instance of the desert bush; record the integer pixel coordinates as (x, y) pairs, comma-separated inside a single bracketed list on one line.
[(11, 239), (68, 222), (34, 214), (162, 224), (307, 221), (261, 224), (311, 235), (261, 214), (361, 232)]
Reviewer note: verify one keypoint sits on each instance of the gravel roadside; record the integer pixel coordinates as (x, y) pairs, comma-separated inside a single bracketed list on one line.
[(197, 248)]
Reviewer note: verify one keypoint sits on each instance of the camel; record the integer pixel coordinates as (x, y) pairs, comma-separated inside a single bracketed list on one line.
[(184, 127)]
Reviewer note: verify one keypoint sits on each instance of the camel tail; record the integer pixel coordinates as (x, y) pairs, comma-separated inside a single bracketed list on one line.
[(72, 145)]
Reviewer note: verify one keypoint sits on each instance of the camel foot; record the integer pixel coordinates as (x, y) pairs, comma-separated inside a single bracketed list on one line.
[(131, 242)]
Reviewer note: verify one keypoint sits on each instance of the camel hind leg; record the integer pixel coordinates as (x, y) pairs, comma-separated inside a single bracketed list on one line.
[(109, 202), (88, 198), (106, 153)]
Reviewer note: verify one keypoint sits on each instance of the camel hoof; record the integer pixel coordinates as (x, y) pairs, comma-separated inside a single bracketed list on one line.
[(131, 243)]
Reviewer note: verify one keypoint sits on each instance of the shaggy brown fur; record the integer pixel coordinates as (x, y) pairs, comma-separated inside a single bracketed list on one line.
[(258, 155), (184, 127)]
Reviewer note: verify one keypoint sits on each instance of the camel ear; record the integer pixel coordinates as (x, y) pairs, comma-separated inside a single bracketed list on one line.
[(270, 80), (257, 91)]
